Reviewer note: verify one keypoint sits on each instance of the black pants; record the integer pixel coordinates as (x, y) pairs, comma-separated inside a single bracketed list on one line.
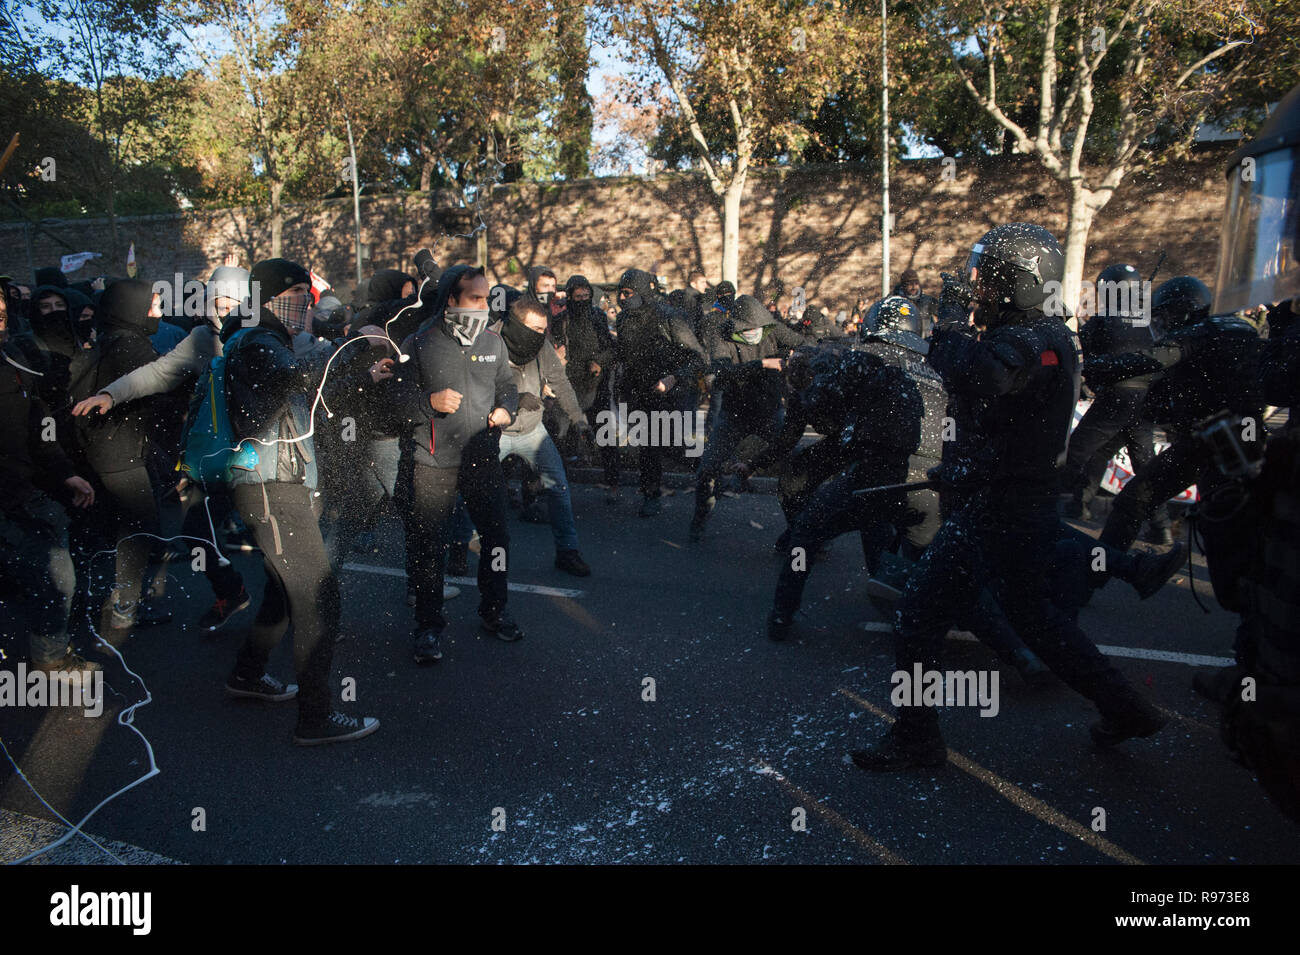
[(1114, 421), (481, 482), (1163, 477), (203, 514), (804, 471), (37, 576), (1003, 540), (833, 510), (301, 589), (135, 512)]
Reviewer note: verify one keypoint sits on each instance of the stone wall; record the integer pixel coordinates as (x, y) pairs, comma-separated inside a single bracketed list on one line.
[(815, 227)]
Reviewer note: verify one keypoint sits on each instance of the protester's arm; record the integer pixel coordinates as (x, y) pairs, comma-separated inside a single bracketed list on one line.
[(165, 373)]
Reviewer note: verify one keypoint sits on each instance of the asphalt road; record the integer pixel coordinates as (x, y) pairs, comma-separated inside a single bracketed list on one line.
[(552, 738)]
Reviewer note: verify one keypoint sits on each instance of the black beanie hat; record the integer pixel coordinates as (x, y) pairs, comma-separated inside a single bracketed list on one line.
[(51, 275), (270, 277)]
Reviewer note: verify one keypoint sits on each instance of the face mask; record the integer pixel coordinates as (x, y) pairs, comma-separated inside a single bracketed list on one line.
[(293, 311), (466, 323), (521, 341), (632, 301), (579, 306), (544, 297), (751, 336)]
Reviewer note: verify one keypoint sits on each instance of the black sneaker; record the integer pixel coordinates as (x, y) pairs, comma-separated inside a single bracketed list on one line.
[(502, 627), (215, 617), (335, 728), (428, 646), (571, 562), (778, 626), (899, 749), (650, 507), (1132, 717), (265, 687), (1152, 571), (458, 560)]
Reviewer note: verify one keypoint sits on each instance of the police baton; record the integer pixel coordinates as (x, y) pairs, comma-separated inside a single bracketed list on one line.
[(886, 488)]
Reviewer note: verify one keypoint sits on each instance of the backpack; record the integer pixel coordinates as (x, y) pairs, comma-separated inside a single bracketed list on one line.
[(211, 449)]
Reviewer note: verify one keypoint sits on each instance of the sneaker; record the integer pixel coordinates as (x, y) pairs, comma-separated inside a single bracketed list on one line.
[(1132, 717), (458, 560), (778, 626), (502, 627), (265, 687), (215, 617), (571, 562), (650, 507), (428, 646), (335, 728), (450, 591), (1152, 571), (900, 748)]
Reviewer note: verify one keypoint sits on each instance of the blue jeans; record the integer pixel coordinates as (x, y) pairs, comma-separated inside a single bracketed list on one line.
[(538, 451)]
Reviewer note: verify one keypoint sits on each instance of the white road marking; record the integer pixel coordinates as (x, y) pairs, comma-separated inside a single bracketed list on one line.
[(468, 581), (1139, 653)]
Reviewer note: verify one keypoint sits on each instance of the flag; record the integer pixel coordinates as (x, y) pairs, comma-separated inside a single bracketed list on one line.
[(70, 263), (130, 262), (318, 288)]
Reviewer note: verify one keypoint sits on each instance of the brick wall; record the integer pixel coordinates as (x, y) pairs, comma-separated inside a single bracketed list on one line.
[(816, 227)]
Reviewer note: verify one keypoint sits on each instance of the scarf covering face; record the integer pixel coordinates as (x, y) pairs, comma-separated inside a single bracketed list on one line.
[(293, 311), (521, 341), (750, 336), (466, 323)]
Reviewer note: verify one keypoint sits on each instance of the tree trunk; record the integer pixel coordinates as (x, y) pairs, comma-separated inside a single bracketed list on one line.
[(731, 228), (1076, 245), (277, 218), (426, 174)]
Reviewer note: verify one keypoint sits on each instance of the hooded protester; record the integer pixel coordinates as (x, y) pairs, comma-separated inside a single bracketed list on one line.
[(389, 285), (747, 361), (176, 372), (661, 361), (271, 393), (117, 445), (456, 394), (590, 346), (537, 369), (541, 285), (35, 477)]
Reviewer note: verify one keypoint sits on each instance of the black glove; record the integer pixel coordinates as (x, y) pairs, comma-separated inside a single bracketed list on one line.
[(954, 303), (530, 402)]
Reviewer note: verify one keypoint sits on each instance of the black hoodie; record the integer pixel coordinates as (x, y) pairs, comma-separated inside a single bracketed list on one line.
[(749, 391), (29, 462), (116, 441), (587, 340), (654, 339)]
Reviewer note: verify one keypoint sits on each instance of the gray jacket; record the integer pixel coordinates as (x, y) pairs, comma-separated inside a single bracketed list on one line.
[(531, 379), (191, 356)]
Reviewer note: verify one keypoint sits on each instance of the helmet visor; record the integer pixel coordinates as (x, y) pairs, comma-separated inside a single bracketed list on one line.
[(1259, 251)]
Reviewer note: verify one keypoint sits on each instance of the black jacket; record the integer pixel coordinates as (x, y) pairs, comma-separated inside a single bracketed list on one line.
[(480, 372), (654, 341), (1219, 369), (1012, 392), (750, 392), (30, 462), (117, 441), (586, 339)]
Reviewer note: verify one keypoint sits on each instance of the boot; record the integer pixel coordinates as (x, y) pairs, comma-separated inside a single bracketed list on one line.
[(1126, 714), (913, 742)]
